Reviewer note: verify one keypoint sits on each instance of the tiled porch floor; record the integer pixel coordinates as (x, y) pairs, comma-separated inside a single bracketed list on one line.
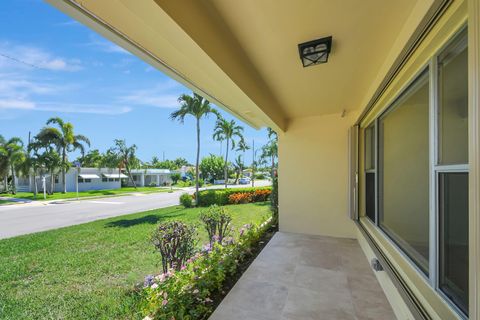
[(300, 277)]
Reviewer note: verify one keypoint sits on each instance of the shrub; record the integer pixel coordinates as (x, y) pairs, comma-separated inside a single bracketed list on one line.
[(261, 195), (260, 176), (239, 198), (176, 243), (152, 184), (189, 293), (186, 200), (175, 177), (221, 196), (216, 221)]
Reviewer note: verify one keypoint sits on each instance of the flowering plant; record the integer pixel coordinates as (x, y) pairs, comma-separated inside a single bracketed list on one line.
[(190, 292)]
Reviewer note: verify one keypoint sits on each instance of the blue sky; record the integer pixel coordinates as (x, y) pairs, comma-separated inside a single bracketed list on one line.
[(71, 72)]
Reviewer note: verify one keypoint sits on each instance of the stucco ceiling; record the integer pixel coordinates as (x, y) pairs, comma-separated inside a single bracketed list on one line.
[(244, 56)]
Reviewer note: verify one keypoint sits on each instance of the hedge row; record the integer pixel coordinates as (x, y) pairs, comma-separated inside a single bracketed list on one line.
[(221, 196)]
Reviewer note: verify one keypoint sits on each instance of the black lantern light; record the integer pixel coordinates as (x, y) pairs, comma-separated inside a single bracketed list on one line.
[(315, 51)]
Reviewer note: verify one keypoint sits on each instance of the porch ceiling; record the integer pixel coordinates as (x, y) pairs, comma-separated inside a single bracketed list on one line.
[(243, 54)]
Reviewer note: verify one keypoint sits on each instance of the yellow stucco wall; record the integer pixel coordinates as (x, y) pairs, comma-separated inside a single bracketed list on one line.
[(313, 176)]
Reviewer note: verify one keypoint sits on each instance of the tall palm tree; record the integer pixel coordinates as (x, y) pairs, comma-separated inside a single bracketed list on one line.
[(65, 140), (12, 154), (126, 157), (3, 163), (238, 165), (227, 131), (270, 153), (199, 108)]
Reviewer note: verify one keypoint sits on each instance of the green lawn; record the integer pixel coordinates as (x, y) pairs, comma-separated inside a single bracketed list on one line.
[(88, 271), (91, 193)]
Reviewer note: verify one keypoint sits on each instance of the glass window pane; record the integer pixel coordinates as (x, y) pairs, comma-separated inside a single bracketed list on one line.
[(404, 172), (453, 245), (370, 195), (370, 148), (453, 103)]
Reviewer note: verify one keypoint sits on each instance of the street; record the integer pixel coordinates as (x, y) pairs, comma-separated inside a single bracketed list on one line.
[(20, 219)]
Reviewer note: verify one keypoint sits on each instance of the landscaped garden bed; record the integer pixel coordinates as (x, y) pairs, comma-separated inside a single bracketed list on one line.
[(192, 285), (90, 271), (227, 196)]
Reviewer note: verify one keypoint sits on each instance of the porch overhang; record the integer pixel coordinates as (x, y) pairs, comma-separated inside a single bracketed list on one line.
[(243, 56)]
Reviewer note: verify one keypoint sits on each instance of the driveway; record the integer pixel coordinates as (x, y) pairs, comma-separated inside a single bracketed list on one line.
[(20, 219)]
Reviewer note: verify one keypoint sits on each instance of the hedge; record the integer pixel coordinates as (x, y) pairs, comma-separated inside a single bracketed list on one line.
[(221, 196)]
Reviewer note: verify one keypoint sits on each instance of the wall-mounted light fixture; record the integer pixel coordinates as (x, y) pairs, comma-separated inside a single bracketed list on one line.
[(315, 51)]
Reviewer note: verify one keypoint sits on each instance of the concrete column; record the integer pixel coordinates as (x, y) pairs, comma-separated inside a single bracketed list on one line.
[(142, 180), (158, 180)]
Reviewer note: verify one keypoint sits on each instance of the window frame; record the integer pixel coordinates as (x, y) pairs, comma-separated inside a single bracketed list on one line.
[(435, 169)]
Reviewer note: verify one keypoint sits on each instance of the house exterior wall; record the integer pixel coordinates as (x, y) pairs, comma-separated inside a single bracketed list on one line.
[(452, 21), (315, 201)]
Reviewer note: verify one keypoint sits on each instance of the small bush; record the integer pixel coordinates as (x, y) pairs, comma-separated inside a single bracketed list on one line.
[(221, 196), (240, 198), (216, 221), (260, 176), (152, 184), (176, 243), (190, 292), (186, 200)]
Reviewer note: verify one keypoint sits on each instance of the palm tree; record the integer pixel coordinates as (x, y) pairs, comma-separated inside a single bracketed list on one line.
[(65, 141), (227, 131), (238, 165), (199, 108), (12, 154), (270, 152), (125, 156)]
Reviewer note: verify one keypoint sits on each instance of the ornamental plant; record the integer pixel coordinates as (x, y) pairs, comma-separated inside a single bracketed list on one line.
[(189, 293), (216, 221), (186, 200), (176, 243), (240, 198)]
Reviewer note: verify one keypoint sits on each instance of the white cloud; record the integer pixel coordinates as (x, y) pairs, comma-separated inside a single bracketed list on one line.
[(12, 104), (69, 23), (83, 108), (16, 104), (13, 56), (22, 94), (105, 45), (151, 98), (162, 95)]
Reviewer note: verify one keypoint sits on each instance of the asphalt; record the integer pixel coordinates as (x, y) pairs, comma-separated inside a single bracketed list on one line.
[(21, 219)]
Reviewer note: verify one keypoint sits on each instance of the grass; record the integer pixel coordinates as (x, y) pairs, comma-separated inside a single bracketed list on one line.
[(89, 271), (82, 194)]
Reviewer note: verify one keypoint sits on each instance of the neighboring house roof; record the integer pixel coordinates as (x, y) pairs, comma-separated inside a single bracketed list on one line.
[(151, 171), (114, 175)]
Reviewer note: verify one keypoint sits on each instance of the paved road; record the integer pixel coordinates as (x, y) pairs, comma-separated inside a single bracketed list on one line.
[(34, 217), (19, 219)]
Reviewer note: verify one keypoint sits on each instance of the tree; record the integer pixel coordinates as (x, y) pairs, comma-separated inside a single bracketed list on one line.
[(65, 140), (199, 108), (12, 154), (175, 176), (238, 166), (180, 162), (211, 167), (32, 163), (227, 131), (124, 156), (92, 159), (270, 153)]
